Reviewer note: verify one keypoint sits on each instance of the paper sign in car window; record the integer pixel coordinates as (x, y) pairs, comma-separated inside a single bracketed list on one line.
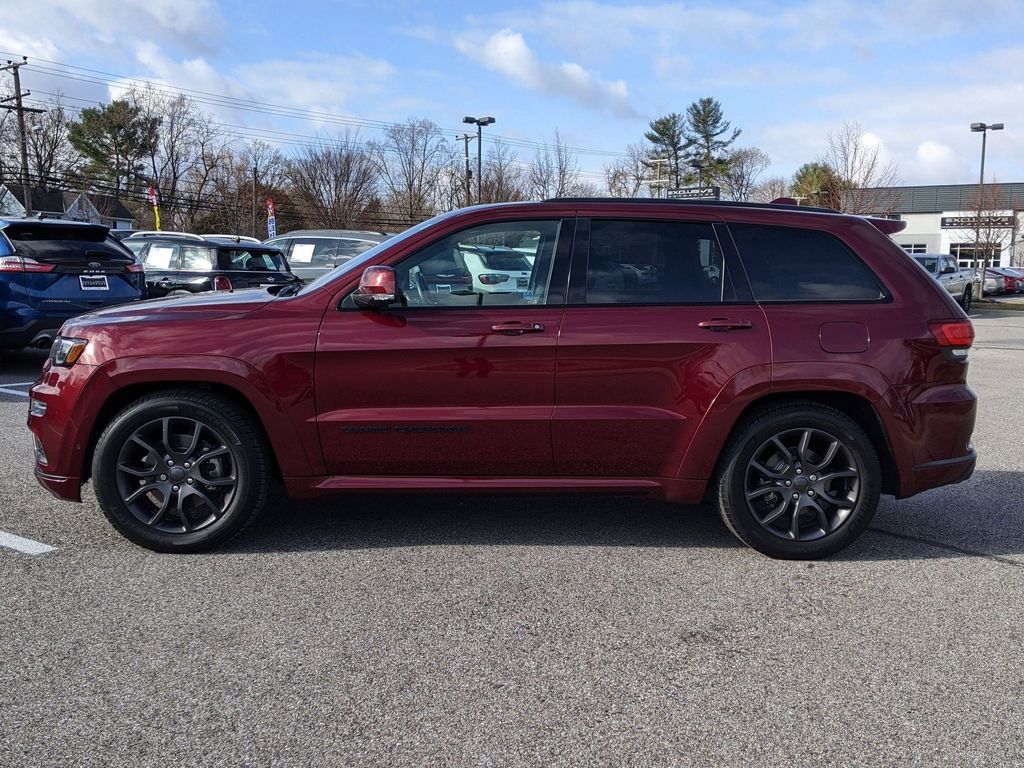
[(159, 256), (302, 253)]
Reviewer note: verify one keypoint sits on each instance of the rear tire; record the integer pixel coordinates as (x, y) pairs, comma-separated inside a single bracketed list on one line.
[(798, 481), (181, 471), (965, 300)]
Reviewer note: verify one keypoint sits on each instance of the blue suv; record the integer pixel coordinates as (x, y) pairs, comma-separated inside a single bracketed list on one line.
[(52, 270)]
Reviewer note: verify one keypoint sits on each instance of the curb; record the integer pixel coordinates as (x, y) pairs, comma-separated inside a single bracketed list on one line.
[(983, 306)]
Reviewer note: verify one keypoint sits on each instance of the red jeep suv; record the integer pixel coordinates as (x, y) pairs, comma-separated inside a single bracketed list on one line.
[(789, 364)]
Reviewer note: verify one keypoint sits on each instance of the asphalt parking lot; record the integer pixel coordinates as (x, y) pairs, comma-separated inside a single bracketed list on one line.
[(483, 631)]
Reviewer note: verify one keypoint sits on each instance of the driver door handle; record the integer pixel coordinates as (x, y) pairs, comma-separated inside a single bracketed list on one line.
[(517, 328), (724, 324)]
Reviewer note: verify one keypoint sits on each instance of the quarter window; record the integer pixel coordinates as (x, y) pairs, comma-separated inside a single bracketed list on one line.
[(786, 264), (655, 262)]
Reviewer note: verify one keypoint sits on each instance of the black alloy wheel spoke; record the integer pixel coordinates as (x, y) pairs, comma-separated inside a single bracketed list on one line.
[(802, 484), (177, 474)]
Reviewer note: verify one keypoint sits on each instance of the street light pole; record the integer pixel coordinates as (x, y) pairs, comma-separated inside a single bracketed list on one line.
[(480, 122), (983, 129)]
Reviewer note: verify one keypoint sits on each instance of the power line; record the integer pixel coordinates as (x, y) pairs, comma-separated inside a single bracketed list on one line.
[(101, 77)]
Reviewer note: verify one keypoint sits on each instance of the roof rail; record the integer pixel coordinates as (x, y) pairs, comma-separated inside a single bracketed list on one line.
[(236, 238), (163, 233), (691, 201)]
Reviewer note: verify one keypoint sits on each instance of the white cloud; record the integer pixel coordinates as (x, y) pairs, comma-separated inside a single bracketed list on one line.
[(506, 52), (937, 163)]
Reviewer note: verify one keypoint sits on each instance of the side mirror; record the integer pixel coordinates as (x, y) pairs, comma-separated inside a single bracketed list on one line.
[(378, 288), (948, 270)]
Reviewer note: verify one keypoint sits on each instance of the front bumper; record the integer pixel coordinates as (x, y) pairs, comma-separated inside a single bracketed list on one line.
[(67, 488)]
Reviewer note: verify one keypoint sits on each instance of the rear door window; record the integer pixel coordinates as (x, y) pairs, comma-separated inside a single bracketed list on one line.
[(160, 256), (314, 251), (655, 262), (787, 264)]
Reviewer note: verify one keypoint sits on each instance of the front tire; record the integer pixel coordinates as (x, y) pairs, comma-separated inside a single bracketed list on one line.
[(181, 471), (799, 482)]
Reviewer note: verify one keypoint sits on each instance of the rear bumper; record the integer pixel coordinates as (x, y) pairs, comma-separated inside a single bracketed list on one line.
[(941, 424), (935, 474), (22, 336)]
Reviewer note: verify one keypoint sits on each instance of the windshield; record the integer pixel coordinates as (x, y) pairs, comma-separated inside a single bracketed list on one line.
[(928, 262), (367, 256)]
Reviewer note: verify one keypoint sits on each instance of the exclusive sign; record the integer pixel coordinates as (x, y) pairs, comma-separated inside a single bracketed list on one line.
[(691, 193), (976, 222)]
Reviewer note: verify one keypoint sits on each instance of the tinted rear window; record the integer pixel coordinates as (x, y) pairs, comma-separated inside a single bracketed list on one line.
[(505, 262), (250, 260), (789, 264), (54, 244)]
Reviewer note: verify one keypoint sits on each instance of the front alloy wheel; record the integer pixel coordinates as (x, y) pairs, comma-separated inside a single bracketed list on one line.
[(176, 474), (181, 470)]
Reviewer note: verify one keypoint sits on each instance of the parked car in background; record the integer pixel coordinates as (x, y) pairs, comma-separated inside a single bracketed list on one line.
[(313, 252), (52, 270), (179, 263), (815, 368), (1018, 273), (495, 269), (1007, 281), (959, 283)]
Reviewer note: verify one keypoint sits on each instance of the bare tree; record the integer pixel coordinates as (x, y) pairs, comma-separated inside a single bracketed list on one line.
[(770, 189), (555, 171), (987, 230), (50, 154), (333, 181), (630, 175), (502, 180), (411, 159), (740, 172), (860, 169)]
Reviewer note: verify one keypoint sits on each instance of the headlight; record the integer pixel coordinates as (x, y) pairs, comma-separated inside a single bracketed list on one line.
[(65, 351)]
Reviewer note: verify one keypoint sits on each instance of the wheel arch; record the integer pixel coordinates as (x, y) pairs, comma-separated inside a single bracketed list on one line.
[(126, 381), (856, 406)]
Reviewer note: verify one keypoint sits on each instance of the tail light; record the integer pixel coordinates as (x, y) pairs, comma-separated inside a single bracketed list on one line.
[(493, 279), (221, 283), (23, 264), (956, 336), (135, 267)]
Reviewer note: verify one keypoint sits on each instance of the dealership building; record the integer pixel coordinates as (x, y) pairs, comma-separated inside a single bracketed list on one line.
[(944, 219)]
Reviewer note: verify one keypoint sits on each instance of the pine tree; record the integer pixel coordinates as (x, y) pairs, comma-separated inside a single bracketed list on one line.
[(667, 134), (706, 150), (113, 139)]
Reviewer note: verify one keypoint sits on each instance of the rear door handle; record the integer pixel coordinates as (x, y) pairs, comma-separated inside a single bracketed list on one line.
[(517, 328), (724, 324)]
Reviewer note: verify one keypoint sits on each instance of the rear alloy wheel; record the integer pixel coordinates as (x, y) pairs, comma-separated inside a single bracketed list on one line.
[(181, 471), (800, 481)]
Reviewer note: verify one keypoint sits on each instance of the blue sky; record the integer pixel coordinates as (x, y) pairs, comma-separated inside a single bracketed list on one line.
[(913, 74)]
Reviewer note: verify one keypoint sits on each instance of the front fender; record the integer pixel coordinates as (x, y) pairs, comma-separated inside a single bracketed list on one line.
[(286, 416)]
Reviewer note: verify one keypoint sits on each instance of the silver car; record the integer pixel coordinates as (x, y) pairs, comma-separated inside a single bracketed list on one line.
[(313, 252)]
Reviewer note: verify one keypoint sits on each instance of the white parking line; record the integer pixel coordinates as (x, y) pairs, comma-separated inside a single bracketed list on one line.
[(13, 392), (16, 383), (27, 546)]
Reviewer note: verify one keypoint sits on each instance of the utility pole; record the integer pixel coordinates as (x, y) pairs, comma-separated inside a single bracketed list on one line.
[(255, 173), (657, 182), (983, 129), (465, 139), (480, 122), (26, 187)]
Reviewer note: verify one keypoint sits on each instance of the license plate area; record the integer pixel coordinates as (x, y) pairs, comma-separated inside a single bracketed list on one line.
[(93, 282)]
